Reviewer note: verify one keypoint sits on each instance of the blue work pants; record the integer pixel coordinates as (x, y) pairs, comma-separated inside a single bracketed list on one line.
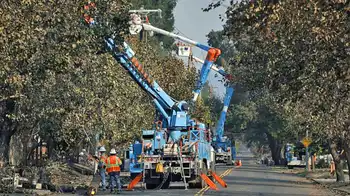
[(114, 177), (102, 173)]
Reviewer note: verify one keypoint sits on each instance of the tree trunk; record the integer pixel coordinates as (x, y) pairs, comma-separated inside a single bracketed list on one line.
[(6, 129), (5, 139), (337, 161), (275, 147), (347, 154)]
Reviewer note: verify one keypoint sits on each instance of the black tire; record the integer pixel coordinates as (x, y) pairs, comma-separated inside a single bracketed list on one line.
[(166, 184), (192, 185), (151, 186)]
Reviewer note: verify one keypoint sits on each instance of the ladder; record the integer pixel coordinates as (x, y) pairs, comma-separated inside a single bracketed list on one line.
[(179, 155)]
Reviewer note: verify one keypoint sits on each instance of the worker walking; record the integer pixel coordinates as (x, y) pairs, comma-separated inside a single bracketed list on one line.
[(102, 166), (113, 163)]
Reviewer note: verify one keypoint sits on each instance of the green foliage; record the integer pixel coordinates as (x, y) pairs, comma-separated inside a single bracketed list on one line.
[(64, 90), (298, 51)]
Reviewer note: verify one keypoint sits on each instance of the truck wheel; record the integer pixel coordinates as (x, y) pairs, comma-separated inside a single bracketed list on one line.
[(166, 184), (151, 186)]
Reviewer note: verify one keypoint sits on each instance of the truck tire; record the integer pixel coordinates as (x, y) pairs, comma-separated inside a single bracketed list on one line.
[(166, 184), (151, 186)]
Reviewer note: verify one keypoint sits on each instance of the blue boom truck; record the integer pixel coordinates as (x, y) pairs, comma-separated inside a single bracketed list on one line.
[(224, 147), (181, 145), (225, 150)]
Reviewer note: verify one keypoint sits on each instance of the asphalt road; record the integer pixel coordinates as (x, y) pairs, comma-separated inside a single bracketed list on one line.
[(249, 180)]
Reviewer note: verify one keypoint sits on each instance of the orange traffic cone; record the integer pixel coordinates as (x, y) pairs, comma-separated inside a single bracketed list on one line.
[(211, 184), (219, 180), (134, 182)]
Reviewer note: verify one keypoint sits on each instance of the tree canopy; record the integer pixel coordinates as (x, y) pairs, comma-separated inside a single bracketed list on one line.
[(54, 82), (295, 55)]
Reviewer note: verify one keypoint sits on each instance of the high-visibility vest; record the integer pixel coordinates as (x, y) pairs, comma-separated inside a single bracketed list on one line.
[(102, 160), (113, 163)]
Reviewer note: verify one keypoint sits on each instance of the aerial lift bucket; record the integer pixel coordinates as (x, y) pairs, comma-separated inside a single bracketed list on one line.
[(211, 184), (134, 182), (219, 180)]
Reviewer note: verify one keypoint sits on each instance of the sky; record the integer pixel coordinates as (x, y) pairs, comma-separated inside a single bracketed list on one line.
[(193, 23)]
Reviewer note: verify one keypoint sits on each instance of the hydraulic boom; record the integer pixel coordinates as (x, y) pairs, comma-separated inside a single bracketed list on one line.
[(219, 131), (212, 53), (173, 114), (225, 150)]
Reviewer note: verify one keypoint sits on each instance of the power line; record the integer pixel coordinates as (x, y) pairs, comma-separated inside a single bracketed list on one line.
[(181, 32)]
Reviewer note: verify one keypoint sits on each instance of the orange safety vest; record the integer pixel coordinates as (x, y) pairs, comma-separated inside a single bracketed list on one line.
[(113, 164), (103, 159)]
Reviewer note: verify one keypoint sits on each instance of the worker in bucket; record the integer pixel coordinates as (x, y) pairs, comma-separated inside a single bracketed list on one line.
[(102, 166), (113, 163)]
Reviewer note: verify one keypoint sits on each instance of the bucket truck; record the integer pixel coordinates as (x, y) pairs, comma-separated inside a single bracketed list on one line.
[(180, 144), (224, 148), (178, 148), (222, 144)]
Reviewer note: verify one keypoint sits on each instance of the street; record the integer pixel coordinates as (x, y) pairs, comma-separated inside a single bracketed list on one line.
[(250, 179)]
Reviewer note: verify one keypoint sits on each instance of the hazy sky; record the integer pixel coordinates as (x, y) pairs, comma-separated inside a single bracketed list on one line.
[(195, 24)]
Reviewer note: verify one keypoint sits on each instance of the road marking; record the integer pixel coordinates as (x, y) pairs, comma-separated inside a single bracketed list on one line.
[(203, 190)]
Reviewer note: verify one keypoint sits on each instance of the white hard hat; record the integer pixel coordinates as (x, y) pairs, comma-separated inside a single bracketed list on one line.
[(113, 151), (81, 154), (102, 149)]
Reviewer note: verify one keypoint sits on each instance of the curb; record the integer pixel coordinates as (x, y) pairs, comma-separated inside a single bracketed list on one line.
[(313, 180), (335, 189)]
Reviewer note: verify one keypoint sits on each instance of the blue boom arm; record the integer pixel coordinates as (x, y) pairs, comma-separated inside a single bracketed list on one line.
[(175, 113), (212, 54), (220, 126), (229, 93)]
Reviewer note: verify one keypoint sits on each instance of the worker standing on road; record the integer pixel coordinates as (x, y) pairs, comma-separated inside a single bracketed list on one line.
[(102, 166), (113, 163)]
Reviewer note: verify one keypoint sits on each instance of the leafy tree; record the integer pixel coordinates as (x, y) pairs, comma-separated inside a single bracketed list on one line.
[(54, 83), (44, 45), (298, 52)]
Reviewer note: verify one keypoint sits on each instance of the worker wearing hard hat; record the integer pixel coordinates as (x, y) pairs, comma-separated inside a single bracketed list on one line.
[(102, 166), (113, 163)]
